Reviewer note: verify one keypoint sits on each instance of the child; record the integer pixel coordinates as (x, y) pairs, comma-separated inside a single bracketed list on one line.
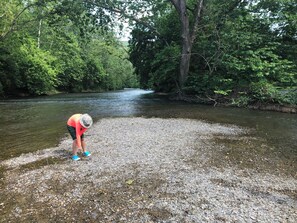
[(77, 124)]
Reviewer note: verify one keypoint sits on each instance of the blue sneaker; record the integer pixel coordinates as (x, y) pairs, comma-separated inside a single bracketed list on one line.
[(75, 158), (86, 153)]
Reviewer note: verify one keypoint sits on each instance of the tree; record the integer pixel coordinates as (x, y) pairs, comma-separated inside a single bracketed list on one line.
[(188, 35), (243, 53), (243, 50), (156, 58), (11, 16), (49, 45), (188, 29)]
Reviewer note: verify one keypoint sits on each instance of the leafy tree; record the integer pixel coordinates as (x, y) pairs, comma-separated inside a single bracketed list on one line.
[(9, 70), (142, 53), (148, 8), (243, 57), (188, 34), (48, 45), (241, 51), (36, 67), (13, 16)]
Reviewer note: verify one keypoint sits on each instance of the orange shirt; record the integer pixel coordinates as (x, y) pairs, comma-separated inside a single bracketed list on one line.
[(74, 122)]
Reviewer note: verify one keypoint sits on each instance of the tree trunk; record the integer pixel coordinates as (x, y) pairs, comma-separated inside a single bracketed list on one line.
[(184, 62), (39, 33), (188, 36), (186, 46)]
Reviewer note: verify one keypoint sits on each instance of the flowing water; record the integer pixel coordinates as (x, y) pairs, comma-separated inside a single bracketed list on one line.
[(36, 123)]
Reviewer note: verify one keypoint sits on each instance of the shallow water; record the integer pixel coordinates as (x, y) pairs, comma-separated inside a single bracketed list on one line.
[(36, 123)]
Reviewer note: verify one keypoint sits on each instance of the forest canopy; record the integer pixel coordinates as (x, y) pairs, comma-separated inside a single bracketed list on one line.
[(237, 51), (49, 46), (241, 51)]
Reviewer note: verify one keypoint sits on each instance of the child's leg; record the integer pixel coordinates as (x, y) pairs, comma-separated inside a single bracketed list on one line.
[(83, 145), (74, 147), (72, 132)]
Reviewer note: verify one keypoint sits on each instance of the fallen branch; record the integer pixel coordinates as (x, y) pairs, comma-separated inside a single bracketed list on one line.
[(211, 99)]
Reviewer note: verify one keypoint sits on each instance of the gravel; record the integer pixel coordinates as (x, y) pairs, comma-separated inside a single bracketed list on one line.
[(145, 170)]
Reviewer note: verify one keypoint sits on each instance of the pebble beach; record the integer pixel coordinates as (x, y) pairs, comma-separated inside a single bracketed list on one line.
[(146, 170)]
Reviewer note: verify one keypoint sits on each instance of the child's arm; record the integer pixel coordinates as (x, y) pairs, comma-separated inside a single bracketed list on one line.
[(78, 135)]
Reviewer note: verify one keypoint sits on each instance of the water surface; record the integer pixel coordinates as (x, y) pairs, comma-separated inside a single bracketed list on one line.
[(36, 123)]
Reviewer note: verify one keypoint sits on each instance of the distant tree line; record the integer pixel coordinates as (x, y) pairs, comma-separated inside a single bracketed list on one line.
[(49, 46)]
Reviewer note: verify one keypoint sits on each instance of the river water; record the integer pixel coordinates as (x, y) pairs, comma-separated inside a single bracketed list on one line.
[(31, 124)]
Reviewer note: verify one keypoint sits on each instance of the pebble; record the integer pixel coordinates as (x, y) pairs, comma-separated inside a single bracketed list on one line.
[(148, 170)]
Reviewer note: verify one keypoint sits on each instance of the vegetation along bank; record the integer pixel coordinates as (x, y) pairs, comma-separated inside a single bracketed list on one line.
[(233, 52)]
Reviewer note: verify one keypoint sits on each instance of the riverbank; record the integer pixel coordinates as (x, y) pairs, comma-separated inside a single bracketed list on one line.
[(151, 170), (284, 108)]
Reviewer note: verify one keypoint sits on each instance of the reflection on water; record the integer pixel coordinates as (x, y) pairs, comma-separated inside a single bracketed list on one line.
[(37, 123)]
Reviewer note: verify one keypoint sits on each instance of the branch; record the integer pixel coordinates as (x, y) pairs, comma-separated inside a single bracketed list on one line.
[(197, 15), (211, 99), (176, 5), (191, 10), (15, 21), (124, 14)]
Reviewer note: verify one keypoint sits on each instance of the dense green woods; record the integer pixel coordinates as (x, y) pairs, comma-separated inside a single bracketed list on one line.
[(235, 51), (47, 46), (244, 52)]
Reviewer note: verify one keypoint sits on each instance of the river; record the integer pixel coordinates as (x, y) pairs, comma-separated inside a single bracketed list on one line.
[(31, 124)]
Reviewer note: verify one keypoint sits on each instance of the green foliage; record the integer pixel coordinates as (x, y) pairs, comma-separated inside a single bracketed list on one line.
[(222, 92), (241, 53), (142, 50), (8, 10), (113, 70), (263, 91), (9, 71), (71, 64), (165, 66), (288, 96), (244, 51), (50, 45), (156, 57), (241, 101), (1, 89), (36, 67)]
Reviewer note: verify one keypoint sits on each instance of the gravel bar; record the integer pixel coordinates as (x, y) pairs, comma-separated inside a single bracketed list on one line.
[(144, 170)]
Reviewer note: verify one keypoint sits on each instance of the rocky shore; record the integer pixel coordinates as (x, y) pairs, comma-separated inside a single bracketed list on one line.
[(148, 170)]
